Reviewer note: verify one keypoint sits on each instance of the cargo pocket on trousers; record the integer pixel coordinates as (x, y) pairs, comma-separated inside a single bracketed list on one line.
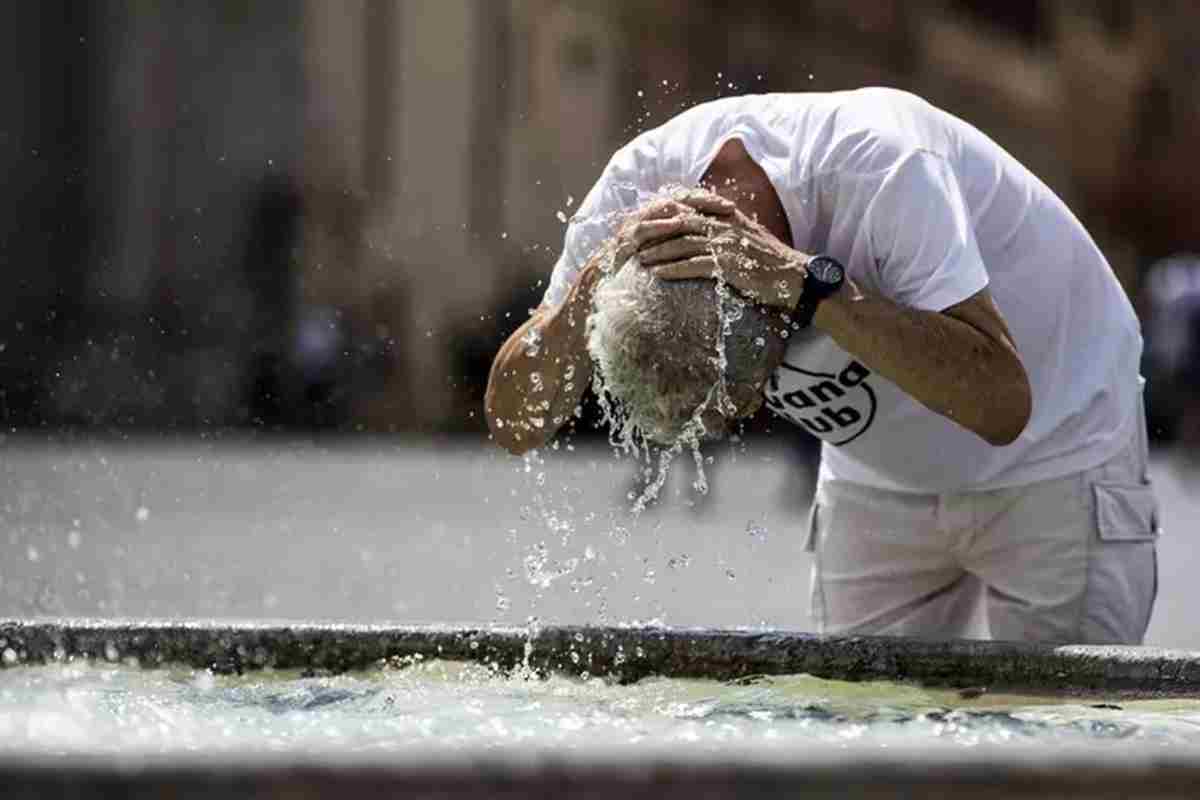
[(1124, 570), (1126, 513)]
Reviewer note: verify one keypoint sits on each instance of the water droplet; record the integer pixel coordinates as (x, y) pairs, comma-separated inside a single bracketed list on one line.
[(561, 216), (679, 562), (729, 573), (10, 656), (142, 514), (532, 342), (74, 539), (111, 653)]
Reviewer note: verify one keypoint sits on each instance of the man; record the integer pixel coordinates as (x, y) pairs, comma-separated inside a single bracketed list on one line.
[(966, 355)]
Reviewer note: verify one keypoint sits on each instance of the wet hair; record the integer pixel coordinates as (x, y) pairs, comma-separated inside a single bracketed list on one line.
[(655, 345)]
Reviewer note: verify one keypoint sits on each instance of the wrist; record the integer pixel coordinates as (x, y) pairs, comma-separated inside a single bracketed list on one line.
[(824, 277), (797, 264), (831, 309)]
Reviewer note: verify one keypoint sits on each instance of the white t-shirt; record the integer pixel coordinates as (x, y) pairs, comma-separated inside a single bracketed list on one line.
[(923, 209)]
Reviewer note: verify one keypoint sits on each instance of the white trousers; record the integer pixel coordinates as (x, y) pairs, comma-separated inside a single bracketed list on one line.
[(1065, 560)]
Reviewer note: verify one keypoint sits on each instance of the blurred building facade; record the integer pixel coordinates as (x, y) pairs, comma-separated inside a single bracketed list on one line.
[(329, 214)]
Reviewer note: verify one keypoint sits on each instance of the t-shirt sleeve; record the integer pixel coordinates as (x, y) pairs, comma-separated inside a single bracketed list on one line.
[(920, 235), (587, 229), (593, 223)]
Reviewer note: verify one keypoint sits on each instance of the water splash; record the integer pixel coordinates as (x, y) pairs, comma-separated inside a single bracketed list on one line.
[(541, 571), (532, 341), (503, 603), (624, 432), (681, 561)]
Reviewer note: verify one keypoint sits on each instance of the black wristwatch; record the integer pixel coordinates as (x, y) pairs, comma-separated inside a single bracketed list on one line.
[(825, 276)]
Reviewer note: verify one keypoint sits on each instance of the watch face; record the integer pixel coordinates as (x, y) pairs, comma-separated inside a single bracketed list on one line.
[(826, 270)]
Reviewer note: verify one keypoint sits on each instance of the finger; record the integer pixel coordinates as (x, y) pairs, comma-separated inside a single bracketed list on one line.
[(706, 202), (662, 209), (697, 267), (677, 249), (687, 225)]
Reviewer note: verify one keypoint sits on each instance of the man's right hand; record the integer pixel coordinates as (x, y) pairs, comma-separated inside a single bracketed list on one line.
[(729, 245), (643, 226)]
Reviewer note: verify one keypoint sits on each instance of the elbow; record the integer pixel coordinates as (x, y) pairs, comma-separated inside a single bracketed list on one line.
[(514, 447), (504, 433), (1010, 413), (515, 437), (512, 440), (506, 436), (1002, 437), (516, 444)]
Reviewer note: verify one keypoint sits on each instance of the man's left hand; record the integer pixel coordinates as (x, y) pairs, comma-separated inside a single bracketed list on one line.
[(728, 246)]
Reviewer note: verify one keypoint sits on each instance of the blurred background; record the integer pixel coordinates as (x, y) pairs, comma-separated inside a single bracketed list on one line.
[(238, 238)]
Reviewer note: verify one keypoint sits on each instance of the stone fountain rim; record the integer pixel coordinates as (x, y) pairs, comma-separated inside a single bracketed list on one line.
[(623, 653)]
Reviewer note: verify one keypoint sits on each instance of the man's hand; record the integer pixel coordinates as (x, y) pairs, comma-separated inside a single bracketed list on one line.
[(698, 234), (685, 202)]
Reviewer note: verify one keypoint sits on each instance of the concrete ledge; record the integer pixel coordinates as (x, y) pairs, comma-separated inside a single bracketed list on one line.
[(625, 654), (820, 776)]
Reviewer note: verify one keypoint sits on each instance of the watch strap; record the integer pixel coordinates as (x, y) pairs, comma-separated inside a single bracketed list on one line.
[(817, 287)]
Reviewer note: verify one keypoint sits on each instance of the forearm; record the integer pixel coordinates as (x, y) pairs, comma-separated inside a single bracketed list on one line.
[(947, 364), (540, 374)]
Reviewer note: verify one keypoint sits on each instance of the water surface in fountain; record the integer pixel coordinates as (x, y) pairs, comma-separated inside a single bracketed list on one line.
[(101, 710)]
